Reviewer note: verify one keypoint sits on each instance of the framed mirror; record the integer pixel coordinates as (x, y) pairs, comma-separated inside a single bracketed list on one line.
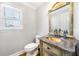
[(61, 17)]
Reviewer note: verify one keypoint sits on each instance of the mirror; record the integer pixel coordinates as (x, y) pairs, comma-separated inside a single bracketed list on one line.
[(61, 18)]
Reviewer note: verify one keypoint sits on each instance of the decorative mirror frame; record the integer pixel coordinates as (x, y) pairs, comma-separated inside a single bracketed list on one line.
[(59, 5)]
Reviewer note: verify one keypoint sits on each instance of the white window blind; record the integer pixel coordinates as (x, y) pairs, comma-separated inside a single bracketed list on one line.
[(11, 17)]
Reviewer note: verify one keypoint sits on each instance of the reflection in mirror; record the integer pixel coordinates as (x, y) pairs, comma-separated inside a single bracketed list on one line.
[(60, 19)]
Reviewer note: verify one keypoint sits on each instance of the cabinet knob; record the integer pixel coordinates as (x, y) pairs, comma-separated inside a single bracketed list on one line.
[(48, 48)]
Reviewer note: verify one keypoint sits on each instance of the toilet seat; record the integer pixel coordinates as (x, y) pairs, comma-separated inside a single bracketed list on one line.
[(30, 47)]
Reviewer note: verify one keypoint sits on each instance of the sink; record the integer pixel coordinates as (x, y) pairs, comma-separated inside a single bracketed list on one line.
[(54, 39), (67, 43)]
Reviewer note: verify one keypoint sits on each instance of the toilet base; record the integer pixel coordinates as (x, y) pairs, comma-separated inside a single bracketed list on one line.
[(33, 53)]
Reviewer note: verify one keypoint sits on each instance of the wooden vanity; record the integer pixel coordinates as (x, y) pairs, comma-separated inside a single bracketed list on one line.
[(50, 48)]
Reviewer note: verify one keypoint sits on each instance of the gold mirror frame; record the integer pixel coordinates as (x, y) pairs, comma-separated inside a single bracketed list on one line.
[(59, 5)]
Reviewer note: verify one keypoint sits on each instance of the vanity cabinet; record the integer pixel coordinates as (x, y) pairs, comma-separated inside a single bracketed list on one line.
[(46, 49)]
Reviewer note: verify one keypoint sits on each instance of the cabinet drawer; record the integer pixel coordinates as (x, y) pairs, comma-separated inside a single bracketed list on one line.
[(45, 53), (52, 49)]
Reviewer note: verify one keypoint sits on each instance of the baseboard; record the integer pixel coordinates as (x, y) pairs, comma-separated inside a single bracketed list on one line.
[(19, 53)]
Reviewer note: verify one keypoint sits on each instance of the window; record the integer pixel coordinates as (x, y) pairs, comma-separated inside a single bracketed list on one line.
[(11, 17)]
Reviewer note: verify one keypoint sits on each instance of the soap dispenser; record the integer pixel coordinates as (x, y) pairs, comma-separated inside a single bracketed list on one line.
[(55, 32), (65, 33), (59, 32)]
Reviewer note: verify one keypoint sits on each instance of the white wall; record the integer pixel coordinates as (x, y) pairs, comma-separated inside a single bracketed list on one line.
[(12, 41), (76, 20), (42, 20)]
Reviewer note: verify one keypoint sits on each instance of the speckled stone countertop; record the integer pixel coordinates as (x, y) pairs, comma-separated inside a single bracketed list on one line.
[(63, 45)]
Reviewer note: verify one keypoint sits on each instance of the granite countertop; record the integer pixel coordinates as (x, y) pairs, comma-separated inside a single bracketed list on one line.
[(63, 45)]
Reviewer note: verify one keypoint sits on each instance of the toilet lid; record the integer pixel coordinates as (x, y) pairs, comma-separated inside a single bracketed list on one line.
[(31, 45)]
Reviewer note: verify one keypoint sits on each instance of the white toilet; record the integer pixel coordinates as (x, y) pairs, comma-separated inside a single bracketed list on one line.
[(32, 48)]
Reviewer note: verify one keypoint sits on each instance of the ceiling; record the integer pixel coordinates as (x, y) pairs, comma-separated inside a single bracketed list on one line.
[(35, 5)]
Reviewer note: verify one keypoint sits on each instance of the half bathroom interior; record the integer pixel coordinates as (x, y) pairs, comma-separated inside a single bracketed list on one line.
[(39, 28)]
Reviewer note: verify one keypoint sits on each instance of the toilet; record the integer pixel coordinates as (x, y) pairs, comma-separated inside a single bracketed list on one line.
[(31, 49)]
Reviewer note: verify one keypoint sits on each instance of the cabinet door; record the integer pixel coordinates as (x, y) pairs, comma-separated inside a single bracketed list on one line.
[(48, 53), (44, 53), (52, 50)]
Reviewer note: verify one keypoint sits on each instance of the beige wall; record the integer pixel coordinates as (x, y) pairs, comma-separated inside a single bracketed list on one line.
[(12, 41), (43, 20), (76, 20)]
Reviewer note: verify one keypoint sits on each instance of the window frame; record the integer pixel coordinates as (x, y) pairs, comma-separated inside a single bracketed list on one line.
[(4, 19)]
